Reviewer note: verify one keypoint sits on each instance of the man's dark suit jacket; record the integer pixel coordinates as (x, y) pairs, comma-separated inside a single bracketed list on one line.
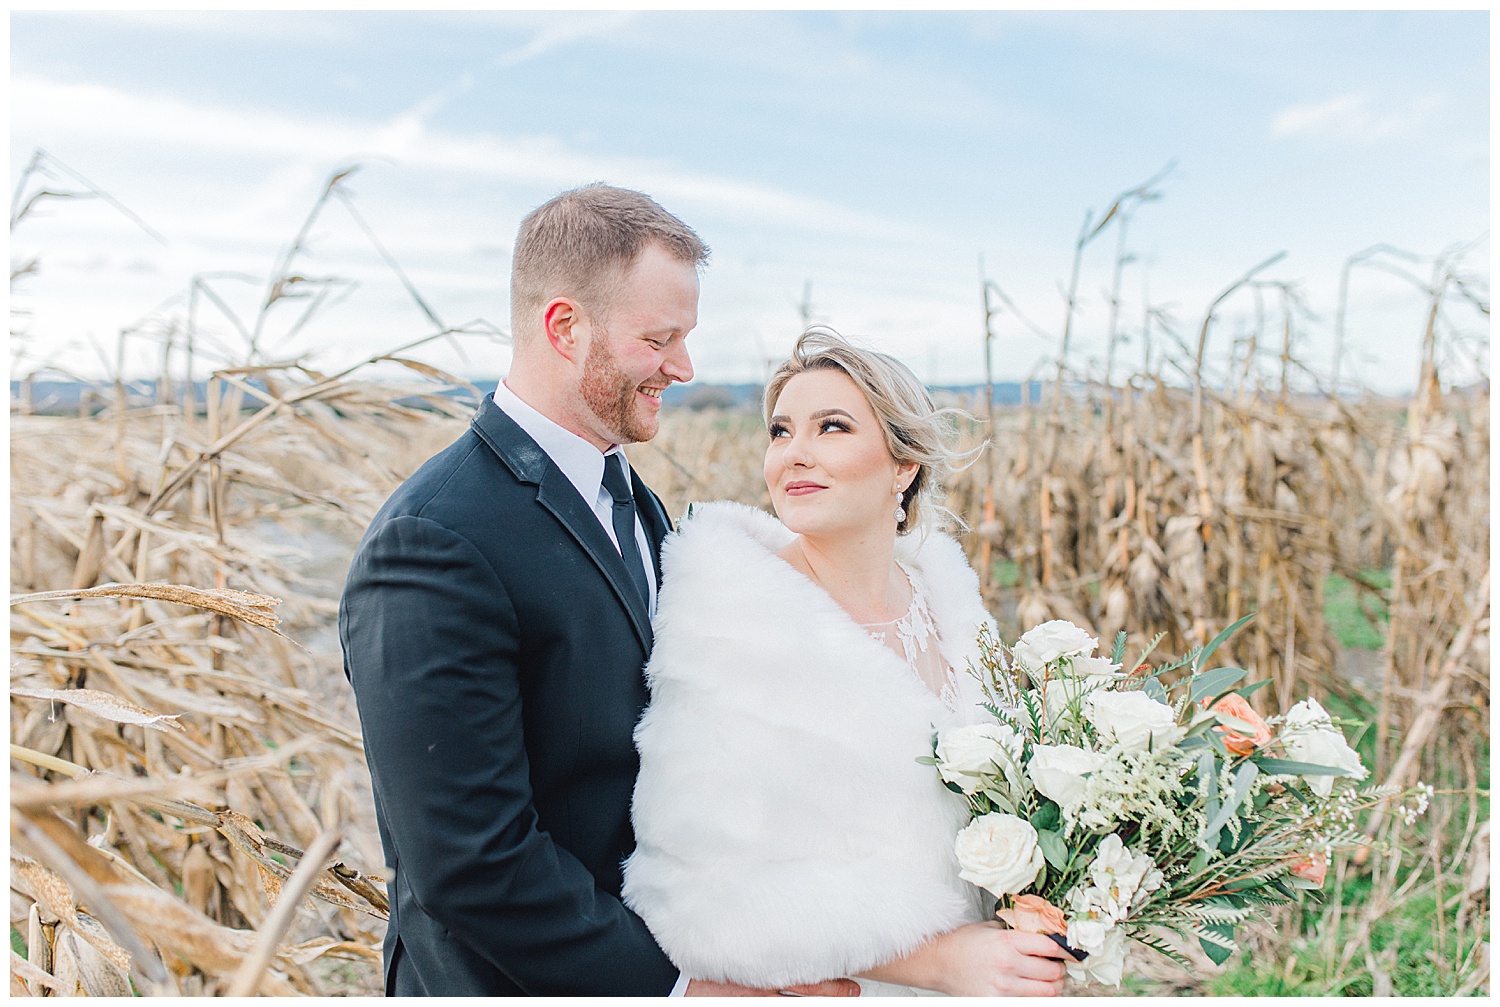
[(496, 644)]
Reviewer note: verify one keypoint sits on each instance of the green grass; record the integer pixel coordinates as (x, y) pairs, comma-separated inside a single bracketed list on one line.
[(17, 942), (1007, 573), (1405, 939), (1357, 617), (1405, 944)]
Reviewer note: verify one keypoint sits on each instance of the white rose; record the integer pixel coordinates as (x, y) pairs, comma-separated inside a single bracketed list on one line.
[(1057, 771), (1309, 736), (1044, 644), (1094, 667), (1133, 719), (1107, 965), (999, 853), (978, 748)]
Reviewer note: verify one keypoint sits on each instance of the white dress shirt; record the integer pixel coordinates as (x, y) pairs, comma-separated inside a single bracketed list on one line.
[(583, 464)]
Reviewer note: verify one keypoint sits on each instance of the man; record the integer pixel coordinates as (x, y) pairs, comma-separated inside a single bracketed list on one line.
[(496, 622)]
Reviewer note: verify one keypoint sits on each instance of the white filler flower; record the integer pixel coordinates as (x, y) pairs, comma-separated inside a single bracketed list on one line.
[(1123, 879), (1044, 644), (1133, 719), (999, 853), (1057, 771), (1309, 736), (978, 748)]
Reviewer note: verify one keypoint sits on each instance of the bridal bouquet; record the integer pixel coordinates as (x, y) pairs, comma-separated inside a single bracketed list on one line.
[(1103, 802)]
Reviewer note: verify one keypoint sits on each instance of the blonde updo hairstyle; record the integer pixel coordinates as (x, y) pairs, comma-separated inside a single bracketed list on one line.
[(915, 429)]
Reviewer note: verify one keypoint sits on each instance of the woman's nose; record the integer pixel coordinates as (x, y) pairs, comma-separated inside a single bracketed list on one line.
[(796, 454)]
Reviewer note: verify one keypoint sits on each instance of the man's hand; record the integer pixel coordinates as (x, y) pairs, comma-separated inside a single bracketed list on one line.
[(827, 988)]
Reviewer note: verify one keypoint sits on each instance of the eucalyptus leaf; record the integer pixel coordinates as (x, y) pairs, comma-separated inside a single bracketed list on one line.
[(1152, 688), (1235, 723), (1218, 952), (1000, 801), (1053, 848), (1210, 683), (1286, 767), (1229, 631), (1249, 690)]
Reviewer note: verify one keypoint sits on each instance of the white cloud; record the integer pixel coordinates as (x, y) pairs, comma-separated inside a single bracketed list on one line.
[(93, 112), (1354, 116)]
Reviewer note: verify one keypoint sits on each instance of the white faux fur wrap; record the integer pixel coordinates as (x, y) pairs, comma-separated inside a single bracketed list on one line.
[(786, 833)]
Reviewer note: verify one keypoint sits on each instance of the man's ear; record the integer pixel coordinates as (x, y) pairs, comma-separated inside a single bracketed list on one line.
[(566, 327)]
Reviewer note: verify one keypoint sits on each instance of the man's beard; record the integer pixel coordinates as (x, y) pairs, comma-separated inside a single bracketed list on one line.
[(610, 395)]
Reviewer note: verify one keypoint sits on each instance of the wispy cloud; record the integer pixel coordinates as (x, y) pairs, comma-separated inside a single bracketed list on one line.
[(1354, 116), (93, 112)]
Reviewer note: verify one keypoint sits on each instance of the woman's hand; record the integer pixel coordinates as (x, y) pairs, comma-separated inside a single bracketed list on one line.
[(981, 959)]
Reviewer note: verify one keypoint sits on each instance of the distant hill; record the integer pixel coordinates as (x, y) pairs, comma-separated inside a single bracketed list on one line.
[(65, 398)]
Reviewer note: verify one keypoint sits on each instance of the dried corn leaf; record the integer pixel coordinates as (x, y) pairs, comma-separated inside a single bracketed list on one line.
[(105, 705), (257, 609), (35, 979)]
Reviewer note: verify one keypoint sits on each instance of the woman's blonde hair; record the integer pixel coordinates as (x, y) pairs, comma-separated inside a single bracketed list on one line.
[(916, 430)]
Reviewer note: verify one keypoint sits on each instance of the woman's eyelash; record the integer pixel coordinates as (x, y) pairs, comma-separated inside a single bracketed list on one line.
[(776, 430), (828, 424)]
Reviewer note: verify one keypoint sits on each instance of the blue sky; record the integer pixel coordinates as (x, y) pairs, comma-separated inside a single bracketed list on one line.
[(874, 155)]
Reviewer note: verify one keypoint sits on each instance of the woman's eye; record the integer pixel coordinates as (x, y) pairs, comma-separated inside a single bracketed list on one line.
[(828, 425), (776, 430)]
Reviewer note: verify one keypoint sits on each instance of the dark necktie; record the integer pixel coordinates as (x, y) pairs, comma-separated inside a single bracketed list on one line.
[(624, 518)]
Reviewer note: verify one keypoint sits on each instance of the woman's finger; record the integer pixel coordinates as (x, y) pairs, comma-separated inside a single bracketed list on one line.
[(1033, 988), (1039, 945), (1040, 969)]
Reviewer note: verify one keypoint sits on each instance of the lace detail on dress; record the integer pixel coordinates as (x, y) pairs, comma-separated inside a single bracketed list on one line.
[(914, 637)]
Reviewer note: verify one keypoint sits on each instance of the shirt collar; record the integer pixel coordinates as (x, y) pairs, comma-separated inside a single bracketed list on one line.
[(579, 460)]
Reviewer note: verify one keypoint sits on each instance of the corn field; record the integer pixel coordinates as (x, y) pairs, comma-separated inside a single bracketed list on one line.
[(191, 810)]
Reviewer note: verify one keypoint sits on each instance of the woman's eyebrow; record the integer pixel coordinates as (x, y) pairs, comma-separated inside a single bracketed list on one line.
[(831, 412)]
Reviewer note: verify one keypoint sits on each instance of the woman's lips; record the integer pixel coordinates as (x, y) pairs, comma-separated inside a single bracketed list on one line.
[(802, 489)]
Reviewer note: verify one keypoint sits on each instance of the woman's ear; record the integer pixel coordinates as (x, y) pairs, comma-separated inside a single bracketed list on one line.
[(906, 474)]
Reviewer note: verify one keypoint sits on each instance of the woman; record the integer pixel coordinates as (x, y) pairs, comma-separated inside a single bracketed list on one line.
[(786, 832)]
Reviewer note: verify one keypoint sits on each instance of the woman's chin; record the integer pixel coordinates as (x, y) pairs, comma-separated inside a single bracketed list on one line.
[(816, 526)]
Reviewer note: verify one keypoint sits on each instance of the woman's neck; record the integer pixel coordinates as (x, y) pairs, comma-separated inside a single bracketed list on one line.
[(860, 575)]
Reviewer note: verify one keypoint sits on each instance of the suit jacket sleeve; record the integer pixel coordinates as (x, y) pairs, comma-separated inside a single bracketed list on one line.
[(433, 647)]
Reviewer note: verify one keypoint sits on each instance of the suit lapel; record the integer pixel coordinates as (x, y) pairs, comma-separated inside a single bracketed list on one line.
[(560, 497), (653, 517)]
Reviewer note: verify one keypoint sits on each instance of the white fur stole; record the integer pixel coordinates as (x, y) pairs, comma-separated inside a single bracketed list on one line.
[(785, 831)]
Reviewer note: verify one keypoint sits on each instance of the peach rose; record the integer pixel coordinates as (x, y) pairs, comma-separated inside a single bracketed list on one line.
[(1034, 915), (1314, 869), (1235, 705)]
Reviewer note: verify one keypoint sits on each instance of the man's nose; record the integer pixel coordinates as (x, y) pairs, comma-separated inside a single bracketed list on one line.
[(677, 365)]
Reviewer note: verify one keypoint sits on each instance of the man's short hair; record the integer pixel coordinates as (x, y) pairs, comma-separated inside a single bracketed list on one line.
[(580, 243)]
